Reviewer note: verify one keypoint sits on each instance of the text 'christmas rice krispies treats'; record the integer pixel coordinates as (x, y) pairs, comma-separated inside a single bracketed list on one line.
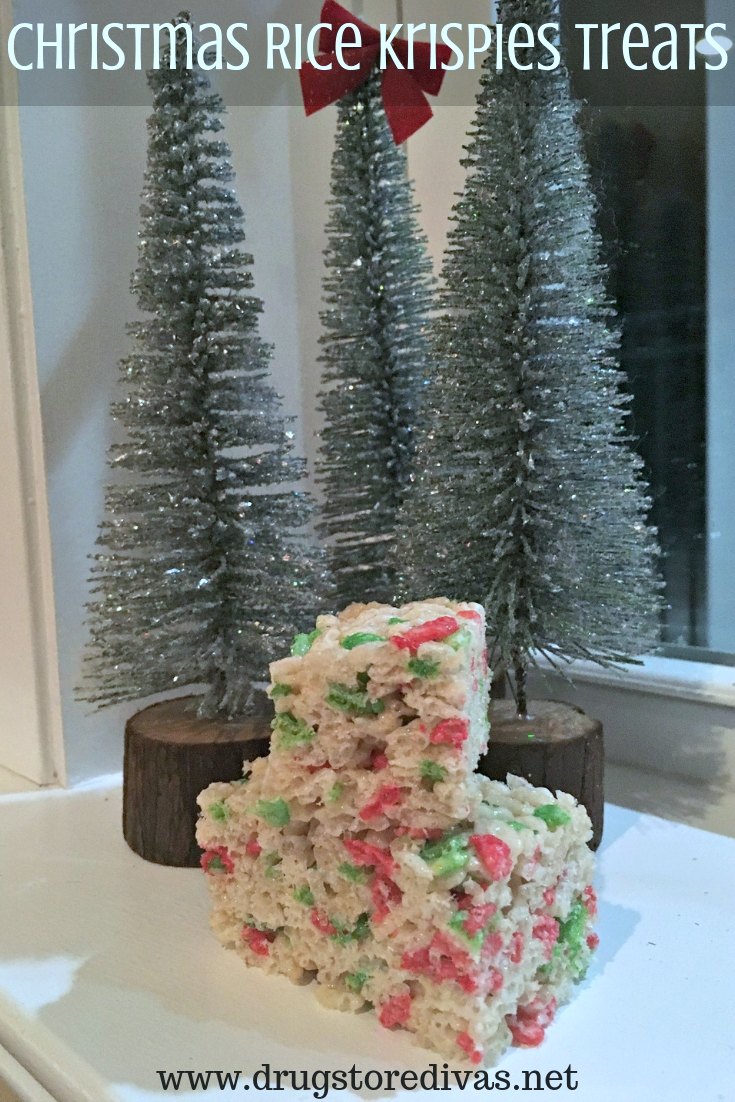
[(364, 852)]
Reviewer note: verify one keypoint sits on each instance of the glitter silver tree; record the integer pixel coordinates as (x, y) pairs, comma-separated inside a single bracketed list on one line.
[(529, 496), (378, 290), (204, 571)]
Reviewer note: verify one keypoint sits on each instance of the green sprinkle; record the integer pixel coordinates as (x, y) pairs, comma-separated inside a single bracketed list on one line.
[(292, 731), (362, 929), (302, 644), (572, 929), (518, 826), (356, 980), (277, 691), (447, 855), (553, 815), (424, 667), (216, 863), (431, 850), (461, 638), (304, 895), (397, 620), (558, 955), (335, 792), (272, 861), (432, 772), (456, 923), (273, 812), (354, 702), (353, 873), (531, 735), (220, 812), (360, 638), (345, 935)]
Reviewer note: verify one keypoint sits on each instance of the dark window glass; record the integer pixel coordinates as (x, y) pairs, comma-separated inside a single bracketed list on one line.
[(649, 166)]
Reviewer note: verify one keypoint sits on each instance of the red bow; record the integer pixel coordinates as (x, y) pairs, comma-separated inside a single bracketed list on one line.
[(404, 90)]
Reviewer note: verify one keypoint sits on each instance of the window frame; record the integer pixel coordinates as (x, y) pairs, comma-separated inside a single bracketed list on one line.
[(31, 746)]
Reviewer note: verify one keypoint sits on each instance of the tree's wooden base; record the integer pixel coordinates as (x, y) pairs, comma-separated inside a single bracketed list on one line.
[(170, 756), (566, 753)]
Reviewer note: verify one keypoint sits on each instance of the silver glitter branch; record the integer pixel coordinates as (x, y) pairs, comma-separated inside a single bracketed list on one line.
[(378, 292), (204, 570), (529, 497)]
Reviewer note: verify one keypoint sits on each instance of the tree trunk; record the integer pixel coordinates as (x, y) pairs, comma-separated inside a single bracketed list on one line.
[(170, 756), (566, 752)]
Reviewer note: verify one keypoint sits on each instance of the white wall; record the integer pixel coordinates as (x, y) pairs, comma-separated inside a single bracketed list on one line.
[(31, 743), (83, 171)]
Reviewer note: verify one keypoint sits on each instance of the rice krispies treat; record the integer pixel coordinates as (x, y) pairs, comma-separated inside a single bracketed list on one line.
[(470, 949), (465, 930), (399, 692)]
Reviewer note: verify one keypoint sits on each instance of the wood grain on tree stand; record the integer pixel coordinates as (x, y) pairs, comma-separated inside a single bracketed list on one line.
[(171, 755), (566, 752)]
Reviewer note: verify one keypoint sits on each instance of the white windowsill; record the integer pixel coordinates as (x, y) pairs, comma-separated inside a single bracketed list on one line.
[(703, 682), (666, 716)]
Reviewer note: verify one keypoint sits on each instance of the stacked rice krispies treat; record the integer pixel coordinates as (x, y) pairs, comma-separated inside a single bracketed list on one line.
[(365, 853)]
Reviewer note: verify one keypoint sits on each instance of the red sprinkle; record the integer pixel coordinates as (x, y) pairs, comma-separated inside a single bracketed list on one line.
[(320, 921), (363, 853), (467, 983), (395, 1011), (253, 848), (492, 945), (546, 930), (589, 897), (378, 761), (470, 614), (443, 960), (495, 981), (433, 631), (533, 862), (493, 854), (525, 1034), (478, 917), (539, 1010), (462, 899), (318, 768), (450, 732), (516, 947), (416, 960), (220, 852), (549, 896), (384, 894), (593, 940), (466, 1043), (387, 796), (258, 940)]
